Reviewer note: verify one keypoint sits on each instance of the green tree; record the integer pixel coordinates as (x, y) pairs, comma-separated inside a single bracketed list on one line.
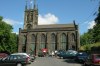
[(8, 40), (96, 28), (85, 39), (93, 35)]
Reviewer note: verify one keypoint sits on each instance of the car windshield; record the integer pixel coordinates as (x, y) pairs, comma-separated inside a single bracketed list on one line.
[(82, 54), (71, 52), (97, 57)]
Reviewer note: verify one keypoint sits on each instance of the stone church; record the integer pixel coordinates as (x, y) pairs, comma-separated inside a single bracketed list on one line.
[(34, 37)]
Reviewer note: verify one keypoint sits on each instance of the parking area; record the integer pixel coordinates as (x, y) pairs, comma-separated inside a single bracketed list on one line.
[(53, 61)]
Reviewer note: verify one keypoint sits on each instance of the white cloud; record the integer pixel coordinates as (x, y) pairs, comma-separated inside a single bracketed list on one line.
[(42, 19), (15, 33), (91, 24), (12, 22), (47, 19)]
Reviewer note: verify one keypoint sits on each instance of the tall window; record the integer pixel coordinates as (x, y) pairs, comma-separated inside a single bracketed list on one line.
[(33, 38), (24, 39), (63, 44), (24, 43), (32, 46), (73, 41), (42, 41), (53, 42)]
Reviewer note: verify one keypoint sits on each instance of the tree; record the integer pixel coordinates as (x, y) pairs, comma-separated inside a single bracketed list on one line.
[(85, 39), (8, 40), (96, 28), (93, 35)]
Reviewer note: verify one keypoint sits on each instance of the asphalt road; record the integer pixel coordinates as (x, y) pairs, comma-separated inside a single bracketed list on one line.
[(52, 61)]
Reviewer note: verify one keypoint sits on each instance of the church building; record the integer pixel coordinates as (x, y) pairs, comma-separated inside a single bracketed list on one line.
[(33, 37)]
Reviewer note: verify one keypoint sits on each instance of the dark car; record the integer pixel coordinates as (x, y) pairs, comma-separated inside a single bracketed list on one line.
[(81, 57), (14, 60), (27, 55), (92, 60), (70, 54), (61, 53), (40, 54)]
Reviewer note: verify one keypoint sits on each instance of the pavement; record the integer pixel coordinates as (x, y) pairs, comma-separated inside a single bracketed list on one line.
[(52, 61)]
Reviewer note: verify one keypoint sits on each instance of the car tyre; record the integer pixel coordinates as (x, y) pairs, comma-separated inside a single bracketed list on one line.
[(91, 65), (85, 64), (19, 64)]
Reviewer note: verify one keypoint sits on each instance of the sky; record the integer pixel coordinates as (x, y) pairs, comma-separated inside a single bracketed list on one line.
[(52, 12)]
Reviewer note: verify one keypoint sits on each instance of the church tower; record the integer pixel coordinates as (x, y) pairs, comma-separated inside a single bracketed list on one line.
[(30, 15)]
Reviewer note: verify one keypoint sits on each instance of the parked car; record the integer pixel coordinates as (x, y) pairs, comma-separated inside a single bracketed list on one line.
[(40, 54), (61, 53), (27, 55), (32, 57), (14, 60), (81, 57), (92, 60), (3, 55), (71, 54)]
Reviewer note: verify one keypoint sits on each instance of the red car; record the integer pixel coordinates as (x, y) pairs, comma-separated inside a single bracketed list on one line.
[(2, 55), (93, 60)]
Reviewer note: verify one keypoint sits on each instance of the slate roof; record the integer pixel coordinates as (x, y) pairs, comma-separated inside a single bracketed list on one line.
[(55, 26)]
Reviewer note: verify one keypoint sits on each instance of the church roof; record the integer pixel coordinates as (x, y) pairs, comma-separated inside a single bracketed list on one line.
[(55, 26)]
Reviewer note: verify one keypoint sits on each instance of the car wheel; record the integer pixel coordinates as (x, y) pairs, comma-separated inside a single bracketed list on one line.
[(85, 64), (91, 65), (19, 64)]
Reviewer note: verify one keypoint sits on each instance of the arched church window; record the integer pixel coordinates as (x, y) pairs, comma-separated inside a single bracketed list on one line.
[(24, 43), (33, 38), (53, 38), (42, 38), (24, 39), (72, 41), (33, 43), (73, 36), (42, 41), (53, 42), (63, 41)]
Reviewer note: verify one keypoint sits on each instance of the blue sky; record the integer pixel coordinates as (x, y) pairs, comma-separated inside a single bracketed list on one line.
[(52, 12)]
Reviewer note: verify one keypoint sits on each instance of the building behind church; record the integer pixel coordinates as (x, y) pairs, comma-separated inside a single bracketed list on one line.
[(34, 37)]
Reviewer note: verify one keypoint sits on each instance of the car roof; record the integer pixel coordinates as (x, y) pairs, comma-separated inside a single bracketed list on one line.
[(20, 54)]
